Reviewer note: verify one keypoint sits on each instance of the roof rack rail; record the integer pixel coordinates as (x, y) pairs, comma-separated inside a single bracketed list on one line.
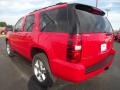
[(61, 3)]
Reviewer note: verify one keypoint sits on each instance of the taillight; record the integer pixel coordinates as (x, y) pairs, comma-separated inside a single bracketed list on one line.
[(74, 48)]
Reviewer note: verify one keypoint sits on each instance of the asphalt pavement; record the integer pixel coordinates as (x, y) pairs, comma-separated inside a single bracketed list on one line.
[(16, 74)]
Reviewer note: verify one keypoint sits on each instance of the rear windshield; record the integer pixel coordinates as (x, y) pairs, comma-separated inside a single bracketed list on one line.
[(88, 22)]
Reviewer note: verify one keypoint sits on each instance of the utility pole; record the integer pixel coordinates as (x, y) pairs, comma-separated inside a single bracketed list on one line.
[(107, 10), (96, 3)]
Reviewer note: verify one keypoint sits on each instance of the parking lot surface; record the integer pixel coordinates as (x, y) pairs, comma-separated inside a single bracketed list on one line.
[(16, 74)]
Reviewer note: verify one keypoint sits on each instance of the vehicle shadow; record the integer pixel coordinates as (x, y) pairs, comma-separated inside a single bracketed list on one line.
[(34, 85), (26, 68)]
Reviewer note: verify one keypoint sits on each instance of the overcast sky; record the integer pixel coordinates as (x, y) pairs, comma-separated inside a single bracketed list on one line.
[(12, 10)]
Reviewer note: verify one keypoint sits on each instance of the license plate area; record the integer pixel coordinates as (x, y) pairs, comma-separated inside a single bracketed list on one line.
[(103, 47)]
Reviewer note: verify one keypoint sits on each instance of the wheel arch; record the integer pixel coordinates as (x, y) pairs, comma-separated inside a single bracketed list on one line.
[(35, 50)]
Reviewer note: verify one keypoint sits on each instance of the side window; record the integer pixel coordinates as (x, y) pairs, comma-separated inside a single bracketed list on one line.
[(47, 23), (54, 20), (29, 23), (18, 25)]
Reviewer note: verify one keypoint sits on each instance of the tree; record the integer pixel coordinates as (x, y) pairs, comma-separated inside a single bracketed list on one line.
[(3, 24)]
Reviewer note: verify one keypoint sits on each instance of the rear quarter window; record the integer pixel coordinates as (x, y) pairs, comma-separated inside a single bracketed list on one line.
[(55, 20)]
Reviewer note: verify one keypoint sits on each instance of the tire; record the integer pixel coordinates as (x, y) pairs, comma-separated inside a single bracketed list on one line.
[(9, 50), (42, 70), (2, 33)]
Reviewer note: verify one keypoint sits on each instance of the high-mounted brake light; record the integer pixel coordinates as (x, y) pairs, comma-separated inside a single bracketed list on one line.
[(74, 48)]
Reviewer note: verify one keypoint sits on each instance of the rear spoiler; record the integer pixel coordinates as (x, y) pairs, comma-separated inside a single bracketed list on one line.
[(88, 8)]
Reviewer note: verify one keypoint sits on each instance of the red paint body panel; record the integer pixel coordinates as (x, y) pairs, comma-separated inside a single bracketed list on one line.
[(55, 46), (92, 47), (76, 72)]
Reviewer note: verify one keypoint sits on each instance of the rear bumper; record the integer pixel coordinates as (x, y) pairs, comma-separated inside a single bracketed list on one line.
[(78, 72)]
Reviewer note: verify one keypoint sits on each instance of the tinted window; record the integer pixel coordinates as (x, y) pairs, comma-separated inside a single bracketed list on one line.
[(55, 21), (48, 24), (89, 22), (29, 23), (18, 25)]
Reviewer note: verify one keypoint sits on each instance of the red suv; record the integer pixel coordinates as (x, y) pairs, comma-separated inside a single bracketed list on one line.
[(70, 41)]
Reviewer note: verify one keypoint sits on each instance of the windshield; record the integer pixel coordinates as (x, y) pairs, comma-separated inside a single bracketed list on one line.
[(88, 22)]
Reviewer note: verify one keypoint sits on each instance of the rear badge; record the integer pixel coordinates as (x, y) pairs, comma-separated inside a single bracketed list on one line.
[(103, 47)]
